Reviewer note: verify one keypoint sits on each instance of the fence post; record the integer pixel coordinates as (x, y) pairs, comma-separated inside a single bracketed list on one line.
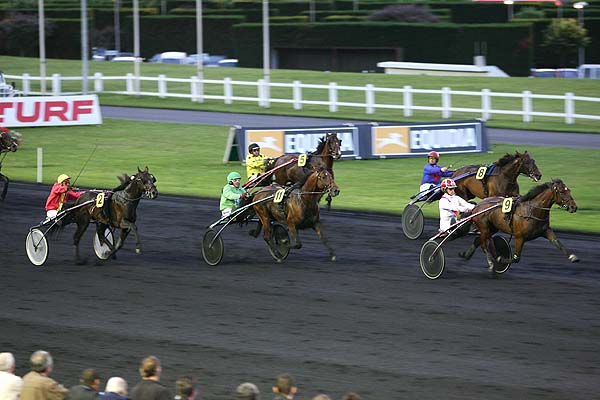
[(162, 86), (197, 89), (261, 92), (370, 98), (486, 104), (194, 88), (297, 95), (26, 84), (228, 90), (407, 101), (526, 106), (569, 108), (129, 83), (40, 163), (98, 82), (56, 85), (446, 103), (333, 97)]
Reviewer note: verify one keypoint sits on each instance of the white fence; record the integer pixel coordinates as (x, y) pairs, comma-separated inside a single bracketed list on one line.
[(263, 97)]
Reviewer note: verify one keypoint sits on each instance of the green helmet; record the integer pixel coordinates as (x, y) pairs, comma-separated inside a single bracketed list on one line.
[(233, 175)]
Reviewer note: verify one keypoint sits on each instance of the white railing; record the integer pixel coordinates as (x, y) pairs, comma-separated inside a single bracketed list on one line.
[(331, 96)]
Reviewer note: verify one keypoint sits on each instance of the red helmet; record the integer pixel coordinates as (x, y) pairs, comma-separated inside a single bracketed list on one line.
[(447, 184), (433, 154)]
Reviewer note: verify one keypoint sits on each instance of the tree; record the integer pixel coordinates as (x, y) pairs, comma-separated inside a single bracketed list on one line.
[(563, 37), (404, 13), (19, 34)]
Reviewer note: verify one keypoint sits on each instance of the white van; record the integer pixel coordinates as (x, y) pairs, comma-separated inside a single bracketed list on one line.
[(590, 71)]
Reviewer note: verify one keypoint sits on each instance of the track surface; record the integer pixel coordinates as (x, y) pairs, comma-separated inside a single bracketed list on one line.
[(371, 322)]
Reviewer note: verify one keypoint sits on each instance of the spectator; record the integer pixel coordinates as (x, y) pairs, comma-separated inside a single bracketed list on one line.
[(37, 385), (89, 384), (150, 387), (284, 388), (10, 384), (351, 396), (247, 391), (185, 389), (116, 389)]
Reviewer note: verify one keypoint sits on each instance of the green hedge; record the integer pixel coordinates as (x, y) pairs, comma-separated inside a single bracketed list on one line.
[(438, 43)]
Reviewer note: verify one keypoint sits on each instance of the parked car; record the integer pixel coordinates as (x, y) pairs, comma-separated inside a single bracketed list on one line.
[(590, 71), (102, 54), (126, 59), (193, 59), (566, 73), (6, 89), (228, 62), (170, 57), (543, 73)]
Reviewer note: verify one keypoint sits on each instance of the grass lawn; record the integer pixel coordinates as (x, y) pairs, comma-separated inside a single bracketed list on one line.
[(187, 160), (580, 87)]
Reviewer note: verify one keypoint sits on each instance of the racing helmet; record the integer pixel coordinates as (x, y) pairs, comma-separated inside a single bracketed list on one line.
[(434, 154), (233, 175), (62, 177), (447, 184), (252, 147)]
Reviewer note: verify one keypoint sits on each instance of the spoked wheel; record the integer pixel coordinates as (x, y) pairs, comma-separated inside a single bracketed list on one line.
[(212, 247), (103, 248), (412, 221), (432, 261), (279, 247), (36, 245), (504, 252)]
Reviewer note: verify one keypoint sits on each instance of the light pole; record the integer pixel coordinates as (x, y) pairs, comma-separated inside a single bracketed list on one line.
[(136, 45), (84, 47), (509, 5), (266, 53), (42, 40), (199, 50), (117, 28), (579, 7)]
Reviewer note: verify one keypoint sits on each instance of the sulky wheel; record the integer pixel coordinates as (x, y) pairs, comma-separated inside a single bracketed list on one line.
[(212, 247), (37, 247), (412, 221), (503, 252), (103, 248), (432, 260), (279, 247)]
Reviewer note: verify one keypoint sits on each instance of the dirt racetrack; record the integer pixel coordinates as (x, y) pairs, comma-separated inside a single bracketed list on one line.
[(370, 323)]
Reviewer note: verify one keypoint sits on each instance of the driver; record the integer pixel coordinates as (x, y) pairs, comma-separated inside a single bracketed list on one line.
[(432, 173), (231, 194), (255, 162), (59, 194), (451, 204)]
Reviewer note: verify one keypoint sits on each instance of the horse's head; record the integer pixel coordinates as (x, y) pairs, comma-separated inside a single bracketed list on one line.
[(146, 180), (325, 183), (528, 166), (562, 196), (9, 140), (334, 145)]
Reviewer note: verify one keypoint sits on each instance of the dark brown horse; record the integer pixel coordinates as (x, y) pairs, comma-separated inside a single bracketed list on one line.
[(299, 209), (119, 210), (328, 150), (528, 219), (502, 181), (9, 142)]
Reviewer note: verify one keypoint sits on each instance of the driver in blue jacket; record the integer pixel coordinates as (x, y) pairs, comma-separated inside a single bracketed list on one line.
[(433, 173)]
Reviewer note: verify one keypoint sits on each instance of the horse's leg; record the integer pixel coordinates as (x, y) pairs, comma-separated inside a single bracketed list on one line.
[(81, 228), (471, 250), (519, 242), (485, 237), (549, 234), (321, 234), (4, 178), (294, 233)]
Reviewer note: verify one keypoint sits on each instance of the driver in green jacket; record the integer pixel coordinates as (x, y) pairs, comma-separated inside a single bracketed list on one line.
[(231, 194)]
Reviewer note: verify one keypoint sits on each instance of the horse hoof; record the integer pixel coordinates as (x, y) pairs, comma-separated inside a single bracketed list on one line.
[(138, 251), (81, 262), (463, 255), (573, 258), (333, 258)]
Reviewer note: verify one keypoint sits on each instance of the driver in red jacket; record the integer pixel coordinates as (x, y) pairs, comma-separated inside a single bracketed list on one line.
[(59, 195)]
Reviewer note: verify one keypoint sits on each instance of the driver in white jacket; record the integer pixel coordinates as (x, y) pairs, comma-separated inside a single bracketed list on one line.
[(451, 205)]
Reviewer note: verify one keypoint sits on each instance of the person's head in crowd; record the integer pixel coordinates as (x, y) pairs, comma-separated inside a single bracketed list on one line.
[(284, 385), (351, 396), (90, 377), (321, 396), (117, 385), (7, 362), (150, 368), (247, 391), (41, 361), (185, 388)]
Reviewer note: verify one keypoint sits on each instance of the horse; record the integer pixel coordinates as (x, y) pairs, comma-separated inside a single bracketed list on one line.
[(9, 142), (502, 180), (299, 209), (528, 219), (328, 150), (119, 210)]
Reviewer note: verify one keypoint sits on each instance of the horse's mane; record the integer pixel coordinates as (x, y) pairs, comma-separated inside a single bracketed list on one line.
[(321, 145), (506, 159), (125, 180), (534, 192)]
